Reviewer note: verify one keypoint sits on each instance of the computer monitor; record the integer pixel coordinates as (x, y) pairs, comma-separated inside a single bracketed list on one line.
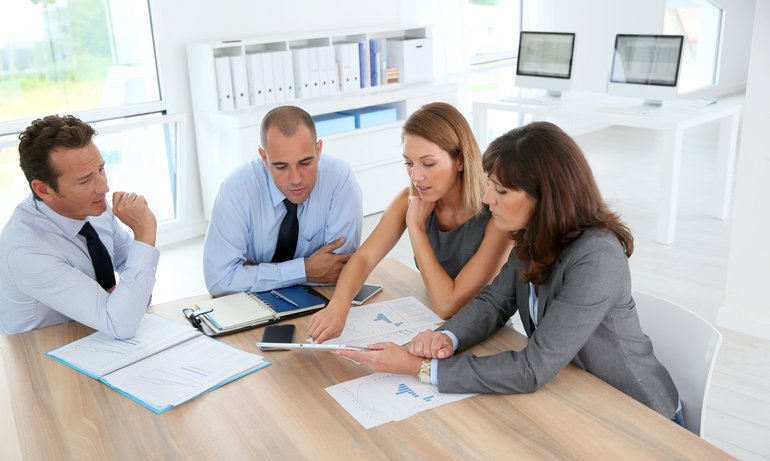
[(646, 66), (545, 61)]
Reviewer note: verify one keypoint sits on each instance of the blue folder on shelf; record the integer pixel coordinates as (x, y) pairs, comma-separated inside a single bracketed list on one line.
[(329, 124), (367, 117)]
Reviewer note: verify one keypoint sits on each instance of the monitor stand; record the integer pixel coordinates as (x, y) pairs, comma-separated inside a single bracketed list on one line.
[(653, 102), (535, 98)]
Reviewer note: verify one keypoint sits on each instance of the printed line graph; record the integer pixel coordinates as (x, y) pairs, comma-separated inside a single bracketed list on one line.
[(404, 389), (381, 397), (384, 318)]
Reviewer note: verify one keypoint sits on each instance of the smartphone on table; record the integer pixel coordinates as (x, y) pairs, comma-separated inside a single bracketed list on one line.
[(277, 334), (366, 292)]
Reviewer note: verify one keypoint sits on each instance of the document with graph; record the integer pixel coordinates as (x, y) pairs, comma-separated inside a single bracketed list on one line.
[(383, 397), (398, 320), (164, 365)]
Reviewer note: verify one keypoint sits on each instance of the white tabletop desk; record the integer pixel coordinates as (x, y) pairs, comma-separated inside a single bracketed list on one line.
[(673, 118)]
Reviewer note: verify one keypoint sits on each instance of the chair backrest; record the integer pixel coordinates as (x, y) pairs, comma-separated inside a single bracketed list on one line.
[(687, 345)]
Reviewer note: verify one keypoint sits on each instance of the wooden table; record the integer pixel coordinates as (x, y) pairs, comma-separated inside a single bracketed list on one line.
[(283, 411)]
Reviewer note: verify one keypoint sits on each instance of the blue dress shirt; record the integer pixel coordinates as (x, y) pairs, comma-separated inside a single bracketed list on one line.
[(46, 274), (247, 215)]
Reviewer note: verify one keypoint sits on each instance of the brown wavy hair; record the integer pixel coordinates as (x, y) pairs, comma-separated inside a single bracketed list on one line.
[(548, 165)]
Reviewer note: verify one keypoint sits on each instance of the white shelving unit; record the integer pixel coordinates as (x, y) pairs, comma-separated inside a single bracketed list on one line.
[(230, 137)]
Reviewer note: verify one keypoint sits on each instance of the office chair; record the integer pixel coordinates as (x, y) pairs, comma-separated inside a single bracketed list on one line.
[(687, 346)]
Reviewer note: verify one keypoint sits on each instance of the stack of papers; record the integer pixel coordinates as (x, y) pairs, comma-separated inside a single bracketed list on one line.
[(380, 397), (164, 365)]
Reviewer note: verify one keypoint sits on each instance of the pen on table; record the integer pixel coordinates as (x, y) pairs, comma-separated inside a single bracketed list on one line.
[(280, 296)]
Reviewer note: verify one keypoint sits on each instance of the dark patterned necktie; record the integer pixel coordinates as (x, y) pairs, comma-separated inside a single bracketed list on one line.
[(287, 234), (100, 257)]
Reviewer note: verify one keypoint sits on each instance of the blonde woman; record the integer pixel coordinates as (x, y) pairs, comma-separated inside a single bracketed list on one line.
[(456, 247)]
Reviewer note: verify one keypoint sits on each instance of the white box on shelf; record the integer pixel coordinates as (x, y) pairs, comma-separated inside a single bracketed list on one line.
[(413, 57)]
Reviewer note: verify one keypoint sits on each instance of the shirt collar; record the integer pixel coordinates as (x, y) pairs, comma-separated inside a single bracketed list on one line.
[(276, 196), (70, 226)]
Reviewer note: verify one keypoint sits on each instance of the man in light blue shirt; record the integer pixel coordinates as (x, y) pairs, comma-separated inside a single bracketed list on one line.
[(240, 248), (62, 245)]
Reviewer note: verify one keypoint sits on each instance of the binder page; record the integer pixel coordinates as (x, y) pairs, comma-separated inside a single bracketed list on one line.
[(398, 320), (235, 310), (383, 397), (98, 354), (166, 380)]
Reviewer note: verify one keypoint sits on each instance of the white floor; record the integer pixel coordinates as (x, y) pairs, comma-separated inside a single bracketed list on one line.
[(690, 272)]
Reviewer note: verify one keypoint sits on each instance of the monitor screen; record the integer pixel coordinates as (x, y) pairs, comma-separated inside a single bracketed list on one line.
[(545, 54), (545, 61), (647, 59)]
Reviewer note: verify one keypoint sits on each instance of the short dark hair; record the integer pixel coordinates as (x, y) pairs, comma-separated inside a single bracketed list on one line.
[(549, 166), (45, 135), (287, 119)]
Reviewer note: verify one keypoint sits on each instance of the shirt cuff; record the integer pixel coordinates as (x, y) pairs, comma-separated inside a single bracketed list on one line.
[(434, 362), (143, 256), (294, 270), (434, 372), (453, 338)]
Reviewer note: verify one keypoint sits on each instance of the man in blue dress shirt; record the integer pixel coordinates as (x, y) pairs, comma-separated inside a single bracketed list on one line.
[(61, 247), (253, 203)]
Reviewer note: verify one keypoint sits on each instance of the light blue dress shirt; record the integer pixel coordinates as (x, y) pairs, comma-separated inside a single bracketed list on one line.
[(247, 215), (46, 274), (533, 304)]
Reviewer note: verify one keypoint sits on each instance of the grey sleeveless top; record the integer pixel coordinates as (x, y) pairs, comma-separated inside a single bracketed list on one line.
[(453, 249)]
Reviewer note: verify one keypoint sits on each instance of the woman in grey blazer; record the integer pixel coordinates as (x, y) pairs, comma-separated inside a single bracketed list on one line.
[(568, 277)]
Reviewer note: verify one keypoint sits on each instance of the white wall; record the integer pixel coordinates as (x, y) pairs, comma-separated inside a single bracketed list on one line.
[(595, 23), (179, 22), (747, 297)]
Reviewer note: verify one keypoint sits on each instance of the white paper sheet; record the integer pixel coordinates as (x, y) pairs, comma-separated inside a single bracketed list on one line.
[(397, 320), (382, 397)]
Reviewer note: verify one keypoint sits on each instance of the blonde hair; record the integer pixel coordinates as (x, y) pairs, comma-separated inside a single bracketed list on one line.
[(443, 125)]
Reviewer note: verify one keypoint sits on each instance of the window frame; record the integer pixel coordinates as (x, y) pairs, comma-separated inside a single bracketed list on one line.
[(718, 50), (97, 115)]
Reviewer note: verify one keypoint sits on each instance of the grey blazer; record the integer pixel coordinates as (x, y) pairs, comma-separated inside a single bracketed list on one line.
[(586, 316)]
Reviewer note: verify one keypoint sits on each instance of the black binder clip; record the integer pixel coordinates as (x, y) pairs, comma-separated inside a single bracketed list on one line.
[(193, 315)]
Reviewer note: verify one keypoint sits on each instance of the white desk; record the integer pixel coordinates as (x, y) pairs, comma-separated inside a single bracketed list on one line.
[(673, 119)]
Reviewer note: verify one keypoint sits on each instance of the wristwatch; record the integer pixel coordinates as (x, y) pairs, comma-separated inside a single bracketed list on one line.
[(424, 374)]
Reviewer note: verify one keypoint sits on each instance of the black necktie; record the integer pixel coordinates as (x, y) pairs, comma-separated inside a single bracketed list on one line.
[(287, 234), (100, 257)]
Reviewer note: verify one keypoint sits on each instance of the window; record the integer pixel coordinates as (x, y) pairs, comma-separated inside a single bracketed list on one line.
[(492, 30), (140, 154), (75, 56), (700, 21), (94, 59)]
